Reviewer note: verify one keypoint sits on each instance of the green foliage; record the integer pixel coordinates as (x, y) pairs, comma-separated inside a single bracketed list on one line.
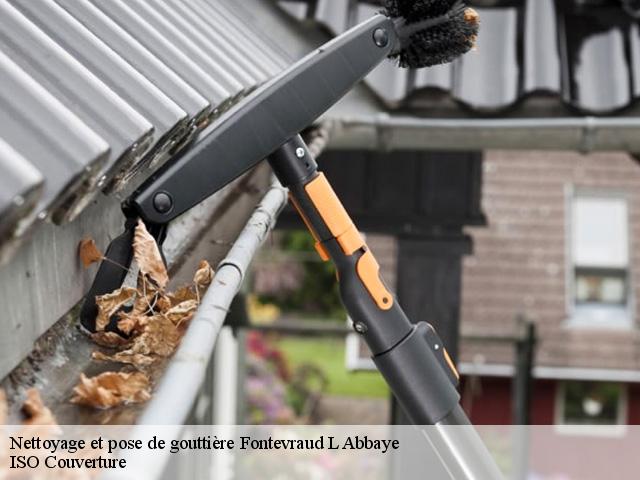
[(328, 355), (305, 387), (318, 293)]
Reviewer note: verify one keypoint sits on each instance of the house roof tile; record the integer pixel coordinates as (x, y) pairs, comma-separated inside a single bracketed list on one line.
[(586, 58), (94, 91)]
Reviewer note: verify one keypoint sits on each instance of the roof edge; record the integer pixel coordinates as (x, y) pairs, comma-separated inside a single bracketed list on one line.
[(390, 132)]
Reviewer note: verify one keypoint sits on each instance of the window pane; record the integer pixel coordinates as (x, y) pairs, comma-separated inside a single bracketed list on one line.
[(601, 286), (600, 232), (591, 403)]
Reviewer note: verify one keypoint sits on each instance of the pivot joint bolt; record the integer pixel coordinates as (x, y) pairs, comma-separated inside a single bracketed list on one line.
[(360, 327), (162, 202), (300, 152), (381, 37)]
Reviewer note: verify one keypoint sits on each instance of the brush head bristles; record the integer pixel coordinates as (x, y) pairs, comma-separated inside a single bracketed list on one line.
[(432, 32)]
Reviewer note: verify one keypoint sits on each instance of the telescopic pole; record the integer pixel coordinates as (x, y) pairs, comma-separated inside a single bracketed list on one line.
[(411, 358)]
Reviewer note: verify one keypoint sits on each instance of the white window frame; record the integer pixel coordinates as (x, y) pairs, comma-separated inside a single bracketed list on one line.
[(574, 320), (617, 430)]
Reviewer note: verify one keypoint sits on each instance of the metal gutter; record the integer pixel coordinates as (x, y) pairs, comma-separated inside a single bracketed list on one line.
[(386, 132), (52, 359), (176, 393), (174, 397)]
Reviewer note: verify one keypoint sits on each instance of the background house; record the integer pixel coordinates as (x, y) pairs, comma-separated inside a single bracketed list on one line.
[(561, 249), (551, 82), (558, 250)]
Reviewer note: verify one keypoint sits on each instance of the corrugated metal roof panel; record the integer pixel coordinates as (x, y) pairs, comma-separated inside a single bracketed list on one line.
[(169, 121), (334, 13), (300, 10), (143, 31), (597, 77), (488, 81), (20, 187), (215, 43), (183, 40), (227, 37), (41, 129), (387, 77), (634, 57), (586, 55), (118, 82), (263, 51), (542, 56), (125, 45), (123, 128), (191, 24)]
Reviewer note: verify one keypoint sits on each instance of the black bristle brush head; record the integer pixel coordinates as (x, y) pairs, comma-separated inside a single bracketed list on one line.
[(432, 32)]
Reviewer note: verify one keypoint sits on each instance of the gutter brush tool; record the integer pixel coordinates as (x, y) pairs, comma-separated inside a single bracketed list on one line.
[(266, 124)]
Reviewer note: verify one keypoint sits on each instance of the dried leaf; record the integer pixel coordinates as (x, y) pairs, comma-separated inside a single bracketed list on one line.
[(149, 300), (183, 294), (110, 389), (109, 304), (123, 357), (35, 410), (89, 252), (204, 275), (147, 255), (131, 322), (163, 304), (4, 409), (182, 312), (127, 323), (109, 339), (144, 303), (159, 337)]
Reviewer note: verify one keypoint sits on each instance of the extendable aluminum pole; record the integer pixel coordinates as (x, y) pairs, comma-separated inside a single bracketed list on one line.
[(412, 358)]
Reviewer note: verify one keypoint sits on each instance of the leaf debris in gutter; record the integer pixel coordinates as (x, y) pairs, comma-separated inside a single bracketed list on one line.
[(154, 319), (36, 411), (110, 303), (38, 420), (63, 351), (147, 255), (112, 388)]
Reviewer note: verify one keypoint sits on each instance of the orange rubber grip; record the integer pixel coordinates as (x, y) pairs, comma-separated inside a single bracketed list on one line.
[(334, 215), (369, 272), (342, 228), (318, 245)]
